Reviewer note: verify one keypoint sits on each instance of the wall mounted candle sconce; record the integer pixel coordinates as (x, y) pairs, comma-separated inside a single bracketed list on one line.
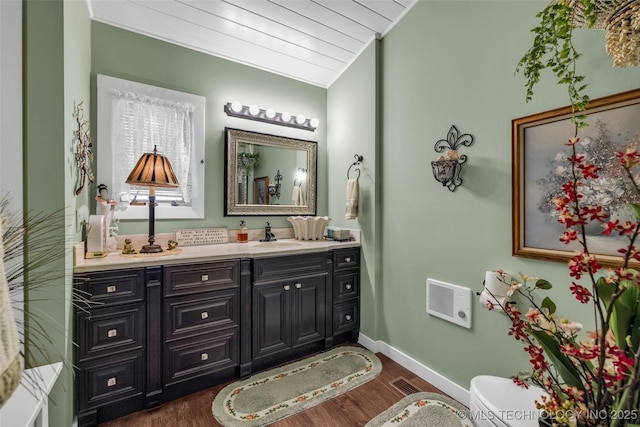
[(269, 115), (274, 187), (446, 170)]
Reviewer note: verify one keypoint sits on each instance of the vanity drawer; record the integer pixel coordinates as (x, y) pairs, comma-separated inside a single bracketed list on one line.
[(346, 286), (346, 317), (285, 267), (346, 258), (197, 314), (112, 287), (107, 380), (197, 278), (106, 330), (187, 358)]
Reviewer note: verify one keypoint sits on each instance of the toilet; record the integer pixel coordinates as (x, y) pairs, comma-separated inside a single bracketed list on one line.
[(499, 402)]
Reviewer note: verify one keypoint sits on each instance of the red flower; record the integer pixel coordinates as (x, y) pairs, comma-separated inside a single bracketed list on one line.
[(583, 263), (611, 226), (568, 236), (589, 171), (581, 293), (519, 382)]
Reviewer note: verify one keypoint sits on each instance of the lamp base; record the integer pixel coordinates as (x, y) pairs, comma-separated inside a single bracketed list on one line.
[(150, 249)]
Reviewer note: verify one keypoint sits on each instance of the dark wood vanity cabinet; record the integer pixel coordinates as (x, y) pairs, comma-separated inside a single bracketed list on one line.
[(111, 337), (290, 296), (201, 344), (346, 293), (149, 335)]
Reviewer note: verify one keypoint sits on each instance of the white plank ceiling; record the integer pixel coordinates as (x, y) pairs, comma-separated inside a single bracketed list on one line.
[(313, 41)]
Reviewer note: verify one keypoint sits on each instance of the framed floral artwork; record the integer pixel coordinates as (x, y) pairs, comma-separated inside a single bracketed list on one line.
[(540, 167)]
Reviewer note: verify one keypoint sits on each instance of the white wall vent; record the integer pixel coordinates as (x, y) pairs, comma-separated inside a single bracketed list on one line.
[(449, 302)]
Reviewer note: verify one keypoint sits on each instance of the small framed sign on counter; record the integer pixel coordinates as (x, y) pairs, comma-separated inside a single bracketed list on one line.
[(202, 236)]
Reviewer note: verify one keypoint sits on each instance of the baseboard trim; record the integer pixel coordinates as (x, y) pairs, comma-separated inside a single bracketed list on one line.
[(437, 380)]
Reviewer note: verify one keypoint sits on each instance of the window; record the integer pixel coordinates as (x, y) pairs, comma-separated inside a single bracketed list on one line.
[(133, 118)]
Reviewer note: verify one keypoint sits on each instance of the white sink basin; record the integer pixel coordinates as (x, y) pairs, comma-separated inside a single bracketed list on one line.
[(276, 244)]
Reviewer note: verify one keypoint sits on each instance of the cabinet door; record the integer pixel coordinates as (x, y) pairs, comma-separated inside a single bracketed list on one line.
[(271, 318), (308, 310)]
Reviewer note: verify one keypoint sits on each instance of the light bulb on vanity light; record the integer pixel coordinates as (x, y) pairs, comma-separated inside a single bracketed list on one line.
[(254, 110), (270, 113), (236, 106), (300, 119), (286, 117), (314, 122)]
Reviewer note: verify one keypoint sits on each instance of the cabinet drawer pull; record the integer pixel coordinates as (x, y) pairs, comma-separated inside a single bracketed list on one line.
[(111, 382), (347, 317), (111, 288), (287, 287), (347, 259), (204, 315), (348, 286), (298, 285), (112, 333), (204, 356), (204, 277)]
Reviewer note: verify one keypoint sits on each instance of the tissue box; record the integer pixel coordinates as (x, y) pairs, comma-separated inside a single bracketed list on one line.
[(337, 233)]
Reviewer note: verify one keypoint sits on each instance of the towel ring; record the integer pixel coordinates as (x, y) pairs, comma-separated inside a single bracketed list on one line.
[(359, 159)]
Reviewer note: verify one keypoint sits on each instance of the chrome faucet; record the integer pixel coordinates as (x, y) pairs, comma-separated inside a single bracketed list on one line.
[(268, 234)]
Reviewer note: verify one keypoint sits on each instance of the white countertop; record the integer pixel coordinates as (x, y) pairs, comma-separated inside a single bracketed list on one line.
[(203, 253)]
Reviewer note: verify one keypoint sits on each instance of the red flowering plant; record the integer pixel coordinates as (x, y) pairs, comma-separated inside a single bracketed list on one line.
[(590, 379)]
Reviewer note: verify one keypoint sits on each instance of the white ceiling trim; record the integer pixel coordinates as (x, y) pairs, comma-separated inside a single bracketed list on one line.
[(312, 41)]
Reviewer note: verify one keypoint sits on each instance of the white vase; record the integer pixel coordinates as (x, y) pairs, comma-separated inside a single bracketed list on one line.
[(308, 227)]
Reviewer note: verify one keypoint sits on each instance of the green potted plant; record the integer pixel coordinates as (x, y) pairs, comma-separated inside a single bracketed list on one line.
[(247, 161), (553, 46)]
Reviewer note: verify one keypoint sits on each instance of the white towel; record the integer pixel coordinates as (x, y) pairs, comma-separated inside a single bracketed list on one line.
[(352, 199), (296, 196)]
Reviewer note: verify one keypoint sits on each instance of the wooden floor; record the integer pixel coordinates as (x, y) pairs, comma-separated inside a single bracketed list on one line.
[(354, 408)]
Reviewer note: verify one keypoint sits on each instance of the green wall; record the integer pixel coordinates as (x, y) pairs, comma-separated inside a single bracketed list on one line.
[(56, 74), (453, 63), (352, 113), (127, 55)]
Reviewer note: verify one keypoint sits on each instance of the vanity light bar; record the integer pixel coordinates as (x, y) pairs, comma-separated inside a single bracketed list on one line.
[(269, 115)]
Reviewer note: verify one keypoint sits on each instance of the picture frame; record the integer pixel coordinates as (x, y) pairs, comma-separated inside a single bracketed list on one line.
[(261, 190), (539, 147)]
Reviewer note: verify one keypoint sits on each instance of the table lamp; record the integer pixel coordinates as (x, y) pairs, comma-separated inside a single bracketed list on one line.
[(152, 170)]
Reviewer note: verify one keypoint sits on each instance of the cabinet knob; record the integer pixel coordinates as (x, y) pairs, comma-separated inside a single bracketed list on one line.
[(347, 259), (204, 315), (112, 333), (347, 317), (204, 277), (348, 286), (111, 382), (298, 285), (286, 287), (204, 356), (111, 288)]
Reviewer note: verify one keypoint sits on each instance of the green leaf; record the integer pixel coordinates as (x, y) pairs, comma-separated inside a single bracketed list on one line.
[(549, 305), (636, 210), (566, 369), (625, 316), (543, 284)]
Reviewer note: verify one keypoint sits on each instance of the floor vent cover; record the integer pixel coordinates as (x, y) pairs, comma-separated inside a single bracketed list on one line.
[(404, 386)]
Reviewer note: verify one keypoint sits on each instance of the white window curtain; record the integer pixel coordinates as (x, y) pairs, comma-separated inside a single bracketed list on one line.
[(138, 123)]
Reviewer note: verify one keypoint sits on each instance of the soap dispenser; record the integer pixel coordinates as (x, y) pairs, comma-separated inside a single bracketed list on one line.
[(243, 233)]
